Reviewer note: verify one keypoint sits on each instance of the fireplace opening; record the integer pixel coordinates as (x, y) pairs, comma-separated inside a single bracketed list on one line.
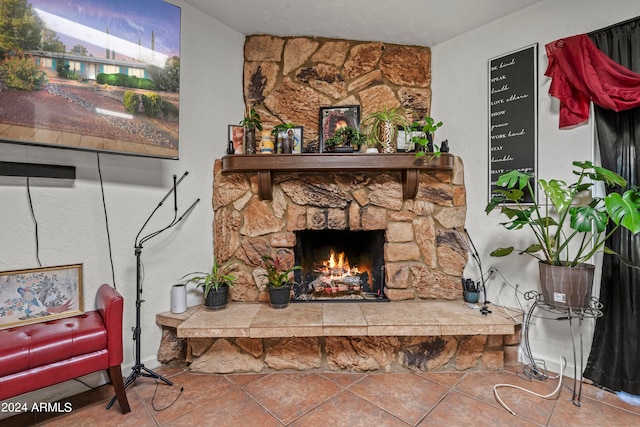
[(339, 265)]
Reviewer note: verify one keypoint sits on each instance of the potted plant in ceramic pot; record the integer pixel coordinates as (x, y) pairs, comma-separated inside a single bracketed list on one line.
[(564, 231), (280, 282), (251, 123), (215, 285), (381, 127)]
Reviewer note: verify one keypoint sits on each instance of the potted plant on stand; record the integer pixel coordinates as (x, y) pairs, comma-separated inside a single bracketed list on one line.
[(280, 282), (564, 231), (381, 128), (215, 285), (251, 122)]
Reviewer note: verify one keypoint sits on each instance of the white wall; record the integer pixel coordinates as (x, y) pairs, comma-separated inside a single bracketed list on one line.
[(71, 222), (460, 100)]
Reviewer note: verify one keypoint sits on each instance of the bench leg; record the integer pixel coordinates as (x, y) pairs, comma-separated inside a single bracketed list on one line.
[(115, 375)]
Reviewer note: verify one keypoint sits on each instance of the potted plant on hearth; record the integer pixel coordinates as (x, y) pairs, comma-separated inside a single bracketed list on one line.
[(280, 282), (381, 128), (215, 285), (567, 234), (251, 122), (424, 142), (344, 140)]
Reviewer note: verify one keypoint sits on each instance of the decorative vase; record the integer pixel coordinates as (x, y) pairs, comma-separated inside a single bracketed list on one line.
[(217, 299), (566, 286), (179, 298), (279, 297), (266, 144), (371, 150), (249, 140), (388, 133)]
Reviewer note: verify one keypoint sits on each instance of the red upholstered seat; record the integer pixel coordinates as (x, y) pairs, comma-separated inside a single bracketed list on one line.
[(42, 354)]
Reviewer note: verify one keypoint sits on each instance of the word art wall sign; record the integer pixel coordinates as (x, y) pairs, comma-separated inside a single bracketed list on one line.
[(513, 113)]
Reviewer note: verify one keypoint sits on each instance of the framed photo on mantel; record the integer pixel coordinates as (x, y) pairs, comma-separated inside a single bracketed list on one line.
[(334, 118), (513, 114)]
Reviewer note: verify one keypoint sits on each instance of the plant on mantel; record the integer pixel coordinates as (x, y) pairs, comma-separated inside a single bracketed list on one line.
[(251, 123), (427, 127), (381, 128)]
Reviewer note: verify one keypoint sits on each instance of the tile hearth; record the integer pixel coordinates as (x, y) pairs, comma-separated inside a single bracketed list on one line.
[(385, 336)]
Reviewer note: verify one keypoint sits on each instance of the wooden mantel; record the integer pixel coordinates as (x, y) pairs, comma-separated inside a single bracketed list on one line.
[(264, 164)]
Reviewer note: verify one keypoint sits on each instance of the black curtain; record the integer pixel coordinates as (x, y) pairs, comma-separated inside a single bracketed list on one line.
[(614, 361)]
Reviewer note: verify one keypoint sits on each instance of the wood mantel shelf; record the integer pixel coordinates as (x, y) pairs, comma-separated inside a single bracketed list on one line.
[(264, 164)]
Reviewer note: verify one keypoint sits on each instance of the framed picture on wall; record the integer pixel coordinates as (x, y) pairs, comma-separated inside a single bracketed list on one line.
[(40, 294), (334, 118), (104, 77)]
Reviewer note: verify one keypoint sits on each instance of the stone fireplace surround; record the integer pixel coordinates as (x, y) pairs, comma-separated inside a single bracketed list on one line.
[(425, 326), (423, 256)]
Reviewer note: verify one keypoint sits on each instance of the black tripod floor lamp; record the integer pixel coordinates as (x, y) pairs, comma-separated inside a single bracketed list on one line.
[(139, 370)]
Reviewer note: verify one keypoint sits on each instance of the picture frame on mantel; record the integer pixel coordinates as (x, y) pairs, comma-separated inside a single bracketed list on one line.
[(236, 136), (333, 118), (40, 294), (298, 132)]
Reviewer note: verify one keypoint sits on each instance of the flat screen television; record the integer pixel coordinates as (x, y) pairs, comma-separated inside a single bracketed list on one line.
[(96, 75)]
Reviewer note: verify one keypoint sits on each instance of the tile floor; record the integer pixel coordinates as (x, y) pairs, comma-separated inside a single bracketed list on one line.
[(342, 399)]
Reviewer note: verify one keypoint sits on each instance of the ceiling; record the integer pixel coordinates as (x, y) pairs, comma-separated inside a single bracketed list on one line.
[(411, 22)]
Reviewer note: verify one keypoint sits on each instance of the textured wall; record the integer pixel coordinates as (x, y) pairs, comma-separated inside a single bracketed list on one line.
[(288, 79)]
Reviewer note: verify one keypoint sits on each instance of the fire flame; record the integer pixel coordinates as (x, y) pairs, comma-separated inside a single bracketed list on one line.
[(337, 266)]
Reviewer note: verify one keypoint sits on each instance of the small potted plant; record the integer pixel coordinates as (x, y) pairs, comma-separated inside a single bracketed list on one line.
[(279, 281), (345, 139), (566, 234), (424, 143), (215, 285), (381, 127), (251, 123)]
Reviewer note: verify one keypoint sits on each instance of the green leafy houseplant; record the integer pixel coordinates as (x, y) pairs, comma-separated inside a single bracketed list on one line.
[(217, 278), (427, 127), (252, 120), (277, 275), (281, 128), (558, 222), (381, 127)]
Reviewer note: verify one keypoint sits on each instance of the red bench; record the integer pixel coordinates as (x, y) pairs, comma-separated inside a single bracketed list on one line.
[(43, 354)]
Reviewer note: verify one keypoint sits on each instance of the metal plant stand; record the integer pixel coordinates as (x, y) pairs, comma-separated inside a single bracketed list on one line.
[(593, 311)]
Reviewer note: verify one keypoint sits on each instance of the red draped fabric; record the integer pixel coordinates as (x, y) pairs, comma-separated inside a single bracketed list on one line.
[(581, 73)]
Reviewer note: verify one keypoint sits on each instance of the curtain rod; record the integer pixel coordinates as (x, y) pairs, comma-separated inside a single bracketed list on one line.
[(619, 24)]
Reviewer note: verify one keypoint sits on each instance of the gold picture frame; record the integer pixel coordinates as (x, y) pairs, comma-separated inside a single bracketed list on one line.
[(40, 294)]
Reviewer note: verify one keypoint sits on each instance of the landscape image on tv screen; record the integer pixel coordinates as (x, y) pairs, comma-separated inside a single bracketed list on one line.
[(97, 75)]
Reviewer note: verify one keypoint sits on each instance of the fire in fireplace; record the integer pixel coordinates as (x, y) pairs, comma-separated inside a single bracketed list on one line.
[(340, 265)]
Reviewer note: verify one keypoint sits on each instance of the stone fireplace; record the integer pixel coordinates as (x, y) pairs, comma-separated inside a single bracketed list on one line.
[(420, 255)]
